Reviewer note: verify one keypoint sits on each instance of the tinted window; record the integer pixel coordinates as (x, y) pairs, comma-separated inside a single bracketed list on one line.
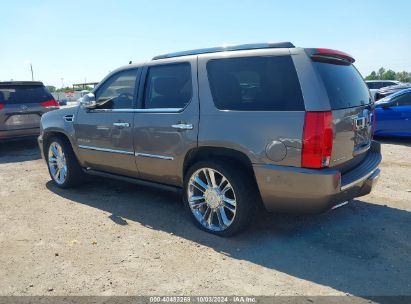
[(13, 94), (403, 100), (168, 86), (118, 91), (371, 85), (379, 85), (344, 85), (387, 84), (255, 84)]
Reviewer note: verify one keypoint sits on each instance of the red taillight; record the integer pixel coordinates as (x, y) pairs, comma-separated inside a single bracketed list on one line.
[(317, 140), (50, 103), (334, 53), (2, 105)]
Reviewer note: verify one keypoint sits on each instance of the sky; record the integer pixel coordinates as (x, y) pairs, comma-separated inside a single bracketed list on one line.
[(75, 41)]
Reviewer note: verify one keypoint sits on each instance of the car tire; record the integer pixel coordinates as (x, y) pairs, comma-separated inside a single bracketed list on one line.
[(59, 155), (243, 197)]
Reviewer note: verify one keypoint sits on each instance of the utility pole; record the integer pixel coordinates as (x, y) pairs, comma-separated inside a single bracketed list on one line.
[(31, 68)]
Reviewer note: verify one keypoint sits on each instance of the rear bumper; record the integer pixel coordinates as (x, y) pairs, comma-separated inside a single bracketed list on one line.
[(13, 134), (292, 189)]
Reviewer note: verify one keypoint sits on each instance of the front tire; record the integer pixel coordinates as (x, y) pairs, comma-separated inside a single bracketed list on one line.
[(62, 164), (220, 198)]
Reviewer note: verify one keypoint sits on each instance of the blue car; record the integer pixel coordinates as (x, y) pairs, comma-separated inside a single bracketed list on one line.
[(393, 115)]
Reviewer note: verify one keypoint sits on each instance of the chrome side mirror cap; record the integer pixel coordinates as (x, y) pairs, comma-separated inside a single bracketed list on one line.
[(88, 101)]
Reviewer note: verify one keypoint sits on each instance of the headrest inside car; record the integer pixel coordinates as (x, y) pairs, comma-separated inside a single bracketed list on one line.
[(167, 86)]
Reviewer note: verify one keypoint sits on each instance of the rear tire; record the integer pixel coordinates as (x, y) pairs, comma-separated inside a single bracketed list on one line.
[(220, 198), (62, 163)]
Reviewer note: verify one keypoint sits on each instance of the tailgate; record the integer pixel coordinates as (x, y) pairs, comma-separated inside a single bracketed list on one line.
[(21, 106), (16, 117), (352, 111), (352, 136)]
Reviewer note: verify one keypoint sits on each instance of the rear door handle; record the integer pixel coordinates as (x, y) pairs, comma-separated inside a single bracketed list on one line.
[(182, 126), (121, 124)]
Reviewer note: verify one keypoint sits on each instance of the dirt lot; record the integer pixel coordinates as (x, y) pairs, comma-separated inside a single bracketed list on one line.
[(112, 238)]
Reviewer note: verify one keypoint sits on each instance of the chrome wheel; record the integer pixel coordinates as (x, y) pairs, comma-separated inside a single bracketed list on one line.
[(57, 163), (211, 199)]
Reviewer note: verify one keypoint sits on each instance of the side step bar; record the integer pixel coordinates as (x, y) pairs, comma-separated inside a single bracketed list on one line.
[(134, 180)]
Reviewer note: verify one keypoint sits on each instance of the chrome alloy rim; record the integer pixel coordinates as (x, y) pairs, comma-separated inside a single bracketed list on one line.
[(212, 199), (57, 163)]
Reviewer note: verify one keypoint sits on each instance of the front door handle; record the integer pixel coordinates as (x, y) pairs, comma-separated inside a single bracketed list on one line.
[(121, 124), (183, 126)]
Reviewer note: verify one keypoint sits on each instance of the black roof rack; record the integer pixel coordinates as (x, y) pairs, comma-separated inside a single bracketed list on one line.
[(240, 47)]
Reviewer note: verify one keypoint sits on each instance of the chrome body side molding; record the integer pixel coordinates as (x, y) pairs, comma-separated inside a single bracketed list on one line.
[(154, 156), (106, 150)]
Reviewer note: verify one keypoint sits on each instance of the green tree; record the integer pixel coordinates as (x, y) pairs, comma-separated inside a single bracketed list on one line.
[(51, 88), (372, 76), (64, 89), (388, 75), (381, 72), (403, 76)]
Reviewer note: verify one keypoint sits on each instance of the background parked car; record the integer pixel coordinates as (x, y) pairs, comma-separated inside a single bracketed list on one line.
[(375, 85), (62, 102), (384, 92), (22, 103), (393, 114)]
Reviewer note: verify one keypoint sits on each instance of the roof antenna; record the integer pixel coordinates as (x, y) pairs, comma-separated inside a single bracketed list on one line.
[(130, 62)]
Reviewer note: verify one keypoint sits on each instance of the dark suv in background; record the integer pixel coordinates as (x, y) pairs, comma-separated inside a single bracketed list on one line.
[(289, 127), (22, 103)]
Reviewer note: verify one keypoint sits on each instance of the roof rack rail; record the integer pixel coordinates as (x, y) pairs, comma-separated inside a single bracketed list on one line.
[(240, 47)]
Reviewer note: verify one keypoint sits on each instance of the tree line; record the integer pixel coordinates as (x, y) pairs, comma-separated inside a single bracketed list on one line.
[(384, 74)]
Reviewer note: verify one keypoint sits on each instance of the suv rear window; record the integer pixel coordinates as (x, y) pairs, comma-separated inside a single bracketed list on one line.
[(255, 84), (344, 85), (13, 94)]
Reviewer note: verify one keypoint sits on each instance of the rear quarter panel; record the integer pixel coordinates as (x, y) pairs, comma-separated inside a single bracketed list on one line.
[(249, 132)]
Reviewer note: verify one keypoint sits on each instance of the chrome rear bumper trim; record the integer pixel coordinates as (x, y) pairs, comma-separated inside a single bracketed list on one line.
[(358, 181)]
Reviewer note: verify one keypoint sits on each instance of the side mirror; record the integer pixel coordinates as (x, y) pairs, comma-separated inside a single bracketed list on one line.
[(88, 101)]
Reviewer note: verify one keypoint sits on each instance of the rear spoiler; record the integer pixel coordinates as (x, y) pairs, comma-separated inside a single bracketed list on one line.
[(321, 53)]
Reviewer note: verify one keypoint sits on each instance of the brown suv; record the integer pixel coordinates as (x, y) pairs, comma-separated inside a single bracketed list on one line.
[(232, 127)]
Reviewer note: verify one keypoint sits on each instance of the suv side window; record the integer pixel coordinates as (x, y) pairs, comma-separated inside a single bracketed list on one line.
[(387, 84), (118, 91), (255, 84), (168, 86), (371, 85), (380, 85), (403, 100)]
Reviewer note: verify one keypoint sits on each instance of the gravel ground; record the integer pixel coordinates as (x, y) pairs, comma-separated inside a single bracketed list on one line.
[(113, 238)]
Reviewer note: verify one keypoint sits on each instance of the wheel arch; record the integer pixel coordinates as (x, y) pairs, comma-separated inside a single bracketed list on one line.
[(232, 156), (47, 135)]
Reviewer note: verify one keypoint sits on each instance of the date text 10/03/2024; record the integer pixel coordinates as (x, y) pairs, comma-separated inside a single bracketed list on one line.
[(200, 299)]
